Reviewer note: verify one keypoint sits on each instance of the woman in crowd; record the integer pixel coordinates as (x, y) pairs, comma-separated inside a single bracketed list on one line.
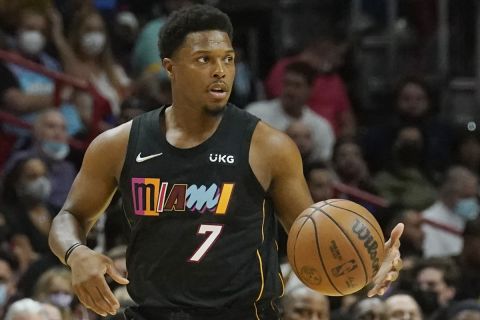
[(87, 55), (26, 189), (55, 287)]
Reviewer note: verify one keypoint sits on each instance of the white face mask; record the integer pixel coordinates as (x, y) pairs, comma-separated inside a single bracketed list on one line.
[(61, 299), (31, 42), (467, 208), (93, 42), (37, 190), (55, 150)]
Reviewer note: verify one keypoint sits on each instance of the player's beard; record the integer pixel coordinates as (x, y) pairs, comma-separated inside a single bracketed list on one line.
[(214, 111)]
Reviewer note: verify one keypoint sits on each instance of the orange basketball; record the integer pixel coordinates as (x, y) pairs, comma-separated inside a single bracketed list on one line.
[(335, 247)]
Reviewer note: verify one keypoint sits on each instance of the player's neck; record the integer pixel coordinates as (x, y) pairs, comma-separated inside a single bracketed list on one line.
[(191, 120)]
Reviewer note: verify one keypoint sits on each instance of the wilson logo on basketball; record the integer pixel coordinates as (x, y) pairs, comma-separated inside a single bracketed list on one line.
[(369, 242)]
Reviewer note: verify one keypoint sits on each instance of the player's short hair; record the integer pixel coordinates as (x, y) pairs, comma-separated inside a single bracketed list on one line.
[(187, 20), (303, 69)]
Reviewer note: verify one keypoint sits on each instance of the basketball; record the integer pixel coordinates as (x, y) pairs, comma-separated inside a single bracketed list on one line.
[(335, 247)]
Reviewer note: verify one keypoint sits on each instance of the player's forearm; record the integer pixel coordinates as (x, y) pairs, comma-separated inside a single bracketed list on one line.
[(66, 230)]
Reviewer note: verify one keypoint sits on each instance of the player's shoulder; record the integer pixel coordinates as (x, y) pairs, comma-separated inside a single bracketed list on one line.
[(107, 151), (272, 142), (114, 136), (111, 144)]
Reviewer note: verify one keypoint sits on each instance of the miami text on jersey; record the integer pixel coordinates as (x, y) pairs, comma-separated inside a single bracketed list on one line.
[(150, 197)]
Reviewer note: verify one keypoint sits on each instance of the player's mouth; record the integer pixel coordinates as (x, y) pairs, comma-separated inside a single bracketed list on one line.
[(218, 91)]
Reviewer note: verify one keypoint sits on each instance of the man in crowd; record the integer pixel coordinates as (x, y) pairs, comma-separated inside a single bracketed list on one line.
[(291, 105), (50, 143), (302, 303), (444, 221)]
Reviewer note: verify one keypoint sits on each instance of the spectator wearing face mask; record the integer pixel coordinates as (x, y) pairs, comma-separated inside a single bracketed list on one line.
[(55, 287), (413, 104), (24, 203), (435, 286), (444, 221), (87, 55), (23, 91), (50, 143), (403, 182)]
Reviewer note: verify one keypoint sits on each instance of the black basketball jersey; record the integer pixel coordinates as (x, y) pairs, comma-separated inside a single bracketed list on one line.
[(202, 228)]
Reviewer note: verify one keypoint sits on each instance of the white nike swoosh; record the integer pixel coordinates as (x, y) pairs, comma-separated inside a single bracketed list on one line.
[(141, 159)]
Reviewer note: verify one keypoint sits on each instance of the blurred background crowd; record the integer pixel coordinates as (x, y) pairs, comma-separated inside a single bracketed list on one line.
[(379, 95)]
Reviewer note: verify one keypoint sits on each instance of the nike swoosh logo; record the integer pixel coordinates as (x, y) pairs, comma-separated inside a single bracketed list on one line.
[(141, 159)]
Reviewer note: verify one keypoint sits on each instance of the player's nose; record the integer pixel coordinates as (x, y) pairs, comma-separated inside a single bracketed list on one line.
[(219, 69)]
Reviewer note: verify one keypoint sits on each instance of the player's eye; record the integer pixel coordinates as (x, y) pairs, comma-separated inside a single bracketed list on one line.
[(203, 59), (229, 59)]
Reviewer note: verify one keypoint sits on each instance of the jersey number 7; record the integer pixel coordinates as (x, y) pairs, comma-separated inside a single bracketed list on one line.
[(214, 231)]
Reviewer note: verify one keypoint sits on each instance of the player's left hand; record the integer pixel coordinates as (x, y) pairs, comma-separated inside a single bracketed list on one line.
[(391, 265)]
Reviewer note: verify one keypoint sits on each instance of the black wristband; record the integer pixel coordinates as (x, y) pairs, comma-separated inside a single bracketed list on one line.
[(70, 250)]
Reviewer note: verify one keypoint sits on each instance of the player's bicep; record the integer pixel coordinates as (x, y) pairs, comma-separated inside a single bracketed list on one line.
[(94, 186), (288, 189)]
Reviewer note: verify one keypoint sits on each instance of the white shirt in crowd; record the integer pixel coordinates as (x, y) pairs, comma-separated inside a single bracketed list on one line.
[(443, 236), (272, 113)]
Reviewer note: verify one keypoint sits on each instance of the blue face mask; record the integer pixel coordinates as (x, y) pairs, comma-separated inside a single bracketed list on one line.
[(3, 294), (467, 208), (55, 150)]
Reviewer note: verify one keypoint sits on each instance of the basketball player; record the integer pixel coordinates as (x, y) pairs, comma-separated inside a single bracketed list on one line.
[(199, 180)]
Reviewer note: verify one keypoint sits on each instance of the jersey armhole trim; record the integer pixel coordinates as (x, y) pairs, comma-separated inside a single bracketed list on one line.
[(248, 142), (130, 154)]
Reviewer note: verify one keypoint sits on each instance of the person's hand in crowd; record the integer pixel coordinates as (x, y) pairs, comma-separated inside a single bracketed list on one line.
[(23, 250), (56, 21)]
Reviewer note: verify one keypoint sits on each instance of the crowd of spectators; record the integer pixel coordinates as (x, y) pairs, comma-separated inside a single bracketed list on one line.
[(413, 167)]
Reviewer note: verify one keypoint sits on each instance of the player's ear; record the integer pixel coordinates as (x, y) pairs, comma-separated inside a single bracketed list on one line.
[(168, 66)]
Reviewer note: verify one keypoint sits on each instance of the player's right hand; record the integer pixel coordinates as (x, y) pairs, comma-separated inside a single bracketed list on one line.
[(89, 283)]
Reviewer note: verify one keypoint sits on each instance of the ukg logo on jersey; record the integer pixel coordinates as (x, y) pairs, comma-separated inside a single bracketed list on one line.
[(151, 197)]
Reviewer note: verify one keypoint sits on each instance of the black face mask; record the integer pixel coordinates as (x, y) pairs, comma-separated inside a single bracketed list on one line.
[(427, 299), (408, 153)]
